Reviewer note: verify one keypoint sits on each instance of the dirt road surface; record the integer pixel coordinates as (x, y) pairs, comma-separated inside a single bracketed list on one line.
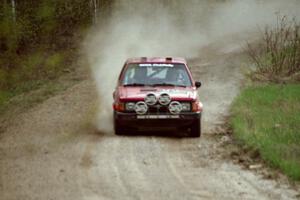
[(53, 152)]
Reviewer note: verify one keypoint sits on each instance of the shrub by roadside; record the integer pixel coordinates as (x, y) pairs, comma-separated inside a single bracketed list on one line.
[(277, 55)]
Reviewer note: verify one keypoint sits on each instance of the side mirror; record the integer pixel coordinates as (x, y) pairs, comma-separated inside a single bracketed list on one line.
[(198, 84)]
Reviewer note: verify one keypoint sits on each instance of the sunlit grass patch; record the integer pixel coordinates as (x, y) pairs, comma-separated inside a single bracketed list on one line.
[(268, 118)]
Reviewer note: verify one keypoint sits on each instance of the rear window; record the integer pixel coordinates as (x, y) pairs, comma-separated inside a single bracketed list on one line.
[(156, 73)]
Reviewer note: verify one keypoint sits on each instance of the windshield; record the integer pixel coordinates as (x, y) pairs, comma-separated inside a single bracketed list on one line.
[(156, 74)]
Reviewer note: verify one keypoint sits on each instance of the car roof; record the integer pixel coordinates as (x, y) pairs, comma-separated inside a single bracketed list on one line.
[(156, 60)]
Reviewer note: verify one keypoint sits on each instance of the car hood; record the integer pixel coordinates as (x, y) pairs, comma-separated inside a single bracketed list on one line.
[(139, 93)]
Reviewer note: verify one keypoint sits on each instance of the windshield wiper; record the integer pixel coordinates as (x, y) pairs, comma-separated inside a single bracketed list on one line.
[(168, 84), (134, 84)]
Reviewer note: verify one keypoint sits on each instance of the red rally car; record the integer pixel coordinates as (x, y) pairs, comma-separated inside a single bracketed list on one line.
[(157, 94)]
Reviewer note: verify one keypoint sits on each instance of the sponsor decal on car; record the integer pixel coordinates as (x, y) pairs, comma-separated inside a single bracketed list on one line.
[(174, 91), (155, 65), (157, 116)]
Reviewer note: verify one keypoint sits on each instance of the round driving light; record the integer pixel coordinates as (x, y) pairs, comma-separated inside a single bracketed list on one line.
[(141, 108), (150, 99), (164, 99), (175, 107)]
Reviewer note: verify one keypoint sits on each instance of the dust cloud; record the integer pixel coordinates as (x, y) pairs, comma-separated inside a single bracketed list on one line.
[(168, 28)]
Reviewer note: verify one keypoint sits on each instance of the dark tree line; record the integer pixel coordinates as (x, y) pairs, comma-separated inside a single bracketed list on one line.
[(38, 27)]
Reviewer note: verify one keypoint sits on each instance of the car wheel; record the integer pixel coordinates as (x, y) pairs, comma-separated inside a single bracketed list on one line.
[(118, 129), (121, 130), (196, 129)]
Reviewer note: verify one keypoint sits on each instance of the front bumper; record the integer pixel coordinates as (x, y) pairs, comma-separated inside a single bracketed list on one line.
[(155, 122)]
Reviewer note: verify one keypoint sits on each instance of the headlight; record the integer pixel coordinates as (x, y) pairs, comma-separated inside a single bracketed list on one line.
[(186, 106), (130, 106)]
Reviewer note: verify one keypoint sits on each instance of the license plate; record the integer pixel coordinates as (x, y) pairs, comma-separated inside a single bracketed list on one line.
[(158, 117)]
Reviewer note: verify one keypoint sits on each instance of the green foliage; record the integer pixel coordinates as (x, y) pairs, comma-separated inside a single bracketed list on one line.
[(4, 96), (3, 75), (267, 118), (36, 47), (53, 64)]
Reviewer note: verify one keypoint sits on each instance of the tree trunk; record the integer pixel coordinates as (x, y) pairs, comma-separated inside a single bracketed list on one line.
[(13, 11), (95, 11)]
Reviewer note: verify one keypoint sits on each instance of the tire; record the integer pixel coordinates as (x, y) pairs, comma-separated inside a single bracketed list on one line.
[(196, 129), (121, 130), (118, 131), (118, 128)]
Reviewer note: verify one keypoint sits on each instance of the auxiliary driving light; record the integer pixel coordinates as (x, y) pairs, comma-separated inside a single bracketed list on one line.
[(141, 108), (150, 99), (175, 107), (164, 99)]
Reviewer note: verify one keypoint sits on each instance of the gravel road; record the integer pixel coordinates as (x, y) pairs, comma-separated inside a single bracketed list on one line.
[(53, 151)]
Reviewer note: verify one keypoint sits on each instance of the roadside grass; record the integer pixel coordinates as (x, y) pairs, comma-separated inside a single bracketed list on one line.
[(33, 92), (4, 97), (267, 118), (42, 75)]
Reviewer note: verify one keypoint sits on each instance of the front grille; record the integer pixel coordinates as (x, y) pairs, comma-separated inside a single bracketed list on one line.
[(158, 109)]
